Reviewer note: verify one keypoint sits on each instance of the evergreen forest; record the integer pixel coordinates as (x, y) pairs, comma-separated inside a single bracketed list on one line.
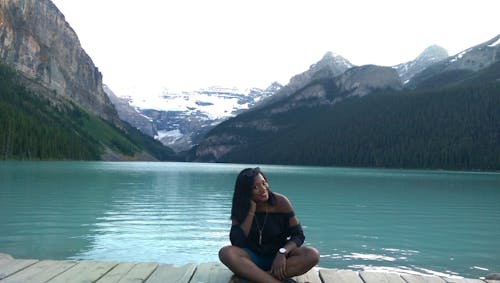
[(453, 126), (33, 127)]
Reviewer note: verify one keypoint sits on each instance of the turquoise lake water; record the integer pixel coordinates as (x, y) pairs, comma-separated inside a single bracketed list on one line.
[(416, 221)]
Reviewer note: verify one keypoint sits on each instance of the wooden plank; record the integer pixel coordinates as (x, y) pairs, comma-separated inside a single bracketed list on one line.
[(5, 256), (139, 273), (117, 273), (339, 275), (462, 280), (11, 266), (84, 272), (129, 272), (380, 277), (410, 278), (172, 273), (40, 272), (211, 273), (311, 276)]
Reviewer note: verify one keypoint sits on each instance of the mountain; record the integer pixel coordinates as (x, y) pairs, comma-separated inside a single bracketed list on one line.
[(429, 56), (129, 114), (180, 120), (283, 114), (37, 41), (459, 66), (365, 117), (329, 66), (54, 105)]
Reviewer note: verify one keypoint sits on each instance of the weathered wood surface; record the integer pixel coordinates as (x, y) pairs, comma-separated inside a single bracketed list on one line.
[(52, 271), (339, 275)]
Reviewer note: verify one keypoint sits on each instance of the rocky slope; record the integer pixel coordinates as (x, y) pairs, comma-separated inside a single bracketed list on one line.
[(459, 65), (37, 41), (129, 114), (429, 56), (360, 81), (331, 65)]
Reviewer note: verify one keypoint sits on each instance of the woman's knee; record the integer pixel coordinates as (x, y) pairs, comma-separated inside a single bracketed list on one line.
[(225, 253), (231, 254), (313, 255), (309, 255)]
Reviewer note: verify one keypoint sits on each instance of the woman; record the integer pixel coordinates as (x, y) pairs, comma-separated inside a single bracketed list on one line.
[(266, 236)]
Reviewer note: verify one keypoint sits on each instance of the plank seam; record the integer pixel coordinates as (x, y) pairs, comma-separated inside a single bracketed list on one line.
[(17, 271), (193, 273), (151, 274), (74, 263), (361, 277), (402, 277), (109, 270)]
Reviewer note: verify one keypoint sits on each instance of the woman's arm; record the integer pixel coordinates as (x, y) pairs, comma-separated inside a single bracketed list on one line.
[(295, 229), (247, 223), (239, 232)]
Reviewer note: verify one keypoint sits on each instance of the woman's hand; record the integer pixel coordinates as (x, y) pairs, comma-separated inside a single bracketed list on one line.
[(253, 207), (278, 269)]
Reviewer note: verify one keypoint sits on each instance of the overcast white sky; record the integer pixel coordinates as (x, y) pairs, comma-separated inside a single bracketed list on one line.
[(143, 46)]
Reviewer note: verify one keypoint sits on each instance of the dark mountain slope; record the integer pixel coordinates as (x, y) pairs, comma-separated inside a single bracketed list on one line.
[(36, 128), (452, 127)]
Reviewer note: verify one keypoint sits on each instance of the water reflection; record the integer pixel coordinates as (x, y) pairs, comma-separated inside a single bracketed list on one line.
[(45, 212), (159, 214)]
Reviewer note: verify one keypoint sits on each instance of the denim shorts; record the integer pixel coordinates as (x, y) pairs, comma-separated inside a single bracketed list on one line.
[(263, 262)]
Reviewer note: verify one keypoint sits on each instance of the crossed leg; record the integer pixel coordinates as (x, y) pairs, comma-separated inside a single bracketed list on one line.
[(299, 261)]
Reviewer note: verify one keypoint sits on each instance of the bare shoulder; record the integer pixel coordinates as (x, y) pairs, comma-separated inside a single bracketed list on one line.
[(282, 203)]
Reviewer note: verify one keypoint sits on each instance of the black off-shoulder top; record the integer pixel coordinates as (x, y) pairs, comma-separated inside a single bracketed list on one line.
[(276, 232)]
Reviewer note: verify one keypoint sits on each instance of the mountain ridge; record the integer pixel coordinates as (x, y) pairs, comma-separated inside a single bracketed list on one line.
[(461, 64), (429, 56), (310, 133), (330, 65)]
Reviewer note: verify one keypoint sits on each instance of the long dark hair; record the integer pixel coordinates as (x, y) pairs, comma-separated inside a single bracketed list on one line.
[(243, 192)]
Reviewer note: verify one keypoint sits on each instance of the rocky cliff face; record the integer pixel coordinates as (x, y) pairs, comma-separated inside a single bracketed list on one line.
[(331, 65), (37, 41), (129, 114), (360, 81)]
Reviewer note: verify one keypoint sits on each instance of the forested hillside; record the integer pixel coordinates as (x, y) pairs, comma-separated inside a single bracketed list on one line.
[(33, 127), (455, 126)]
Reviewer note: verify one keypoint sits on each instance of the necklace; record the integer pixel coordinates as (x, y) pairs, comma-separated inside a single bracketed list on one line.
[(260, 229)]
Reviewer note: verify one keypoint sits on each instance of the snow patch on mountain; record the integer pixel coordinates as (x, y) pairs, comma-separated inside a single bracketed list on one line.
[(174, 134), (495, 43), (214, 103), (180, 119)]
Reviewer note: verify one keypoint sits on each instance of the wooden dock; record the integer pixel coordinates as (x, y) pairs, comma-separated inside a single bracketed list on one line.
[(53, 271)]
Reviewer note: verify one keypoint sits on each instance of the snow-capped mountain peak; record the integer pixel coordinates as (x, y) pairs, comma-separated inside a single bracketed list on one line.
[(214, 102), (179, 119)]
